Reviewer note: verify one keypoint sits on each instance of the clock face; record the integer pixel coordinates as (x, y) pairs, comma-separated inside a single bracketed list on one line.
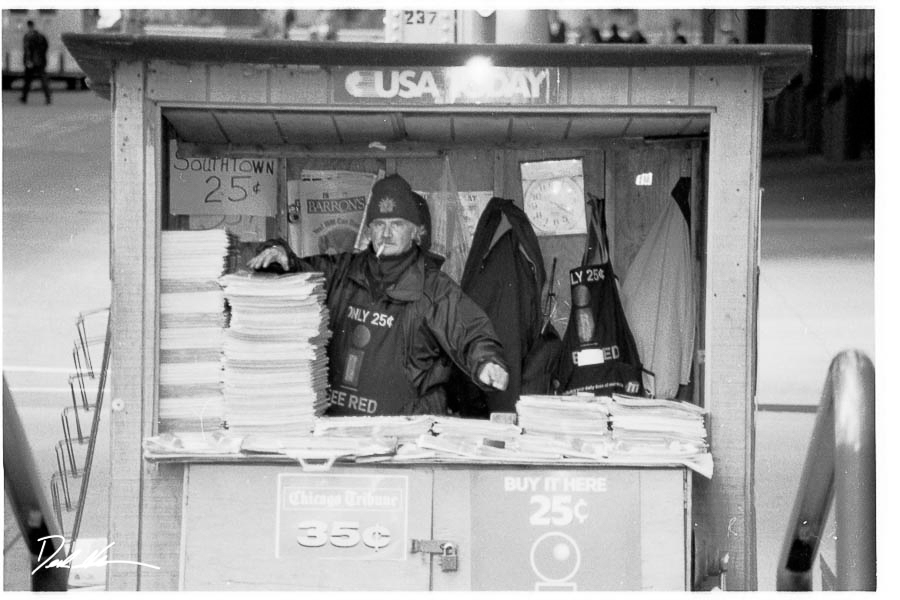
[(551, 204)]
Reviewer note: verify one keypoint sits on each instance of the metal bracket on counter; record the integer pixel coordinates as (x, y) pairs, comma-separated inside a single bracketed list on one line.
[(314, 464), (447, 550)]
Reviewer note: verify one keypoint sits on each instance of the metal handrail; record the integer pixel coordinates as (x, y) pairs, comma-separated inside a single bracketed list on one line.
[(840, 465), (28, 500)]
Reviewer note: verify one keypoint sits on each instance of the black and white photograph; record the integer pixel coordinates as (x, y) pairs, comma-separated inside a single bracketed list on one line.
[(470, 297)]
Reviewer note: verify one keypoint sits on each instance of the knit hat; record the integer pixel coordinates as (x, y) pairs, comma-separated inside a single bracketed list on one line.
[(393, 198)]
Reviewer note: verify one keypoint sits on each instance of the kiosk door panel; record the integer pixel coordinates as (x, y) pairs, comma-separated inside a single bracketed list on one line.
[(564, 530), (345, 529)]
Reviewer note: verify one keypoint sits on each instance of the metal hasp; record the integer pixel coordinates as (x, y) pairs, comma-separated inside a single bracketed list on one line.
[(447, 550), (840, 464)]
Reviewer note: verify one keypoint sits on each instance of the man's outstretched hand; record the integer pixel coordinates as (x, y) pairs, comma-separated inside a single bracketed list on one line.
[(493, 375), (268, 256)]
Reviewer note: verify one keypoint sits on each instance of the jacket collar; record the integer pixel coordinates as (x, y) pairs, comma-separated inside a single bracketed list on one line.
[(503, 228), (408, 288)]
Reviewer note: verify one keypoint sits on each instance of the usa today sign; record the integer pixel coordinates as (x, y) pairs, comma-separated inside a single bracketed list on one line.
[(447, 85)]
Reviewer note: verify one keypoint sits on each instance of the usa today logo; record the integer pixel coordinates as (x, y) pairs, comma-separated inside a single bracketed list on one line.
[(450, 85)]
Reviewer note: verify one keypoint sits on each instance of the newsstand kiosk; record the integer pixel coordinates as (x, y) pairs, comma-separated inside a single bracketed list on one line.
[(638, 118)]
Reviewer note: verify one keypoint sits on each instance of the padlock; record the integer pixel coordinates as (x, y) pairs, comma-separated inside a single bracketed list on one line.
[(449, 558)]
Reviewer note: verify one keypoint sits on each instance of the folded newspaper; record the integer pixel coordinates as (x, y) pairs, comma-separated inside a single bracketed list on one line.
[(275, 363), (405, 428), (191, 322), (190, 443)]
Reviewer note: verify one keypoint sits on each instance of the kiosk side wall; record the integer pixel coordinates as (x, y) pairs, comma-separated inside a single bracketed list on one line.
[(144, 499), (726, 502), (128, 310)]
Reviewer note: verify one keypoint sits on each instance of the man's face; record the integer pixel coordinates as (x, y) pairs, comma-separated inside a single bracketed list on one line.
[(392, 236)]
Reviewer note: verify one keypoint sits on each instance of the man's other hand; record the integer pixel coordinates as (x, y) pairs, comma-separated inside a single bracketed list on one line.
[(268, 256), (493, 375)]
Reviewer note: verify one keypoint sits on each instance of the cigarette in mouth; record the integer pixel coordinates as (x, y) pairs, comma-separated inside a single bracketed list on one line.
[(379, 250)]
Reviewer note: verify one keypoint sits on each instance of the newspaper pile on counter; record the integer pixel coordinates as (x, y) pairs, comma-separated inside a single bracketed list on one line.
[(620, 429), (192, 317), (473, 438), (192, 443), (356, 439), (406, 429), (575, 426), (585, 417), (317, 452), (551, 429), (653, 428), (275, 366)]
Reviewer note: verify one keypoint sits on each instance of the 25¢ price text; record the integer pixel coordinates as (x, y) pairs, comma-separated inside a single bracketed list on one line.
[(558, 510), (237, 189)]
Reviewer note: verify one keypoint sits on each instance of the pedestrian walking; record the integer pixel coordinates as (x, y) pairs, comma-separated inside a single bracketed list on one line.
[(34, 53)]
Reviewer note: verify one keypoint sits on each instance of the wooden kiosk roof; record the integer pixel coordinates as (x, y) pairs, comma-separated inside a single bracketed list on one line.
[(97, 53)]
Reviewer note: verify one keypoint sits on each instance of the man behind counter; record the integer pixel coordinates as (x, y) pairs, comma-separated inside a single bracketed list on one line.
[(397, 320)]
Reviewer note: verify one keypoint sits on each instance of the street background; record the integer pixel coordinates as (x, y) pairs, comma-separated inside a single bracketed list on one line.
[(816, 294)]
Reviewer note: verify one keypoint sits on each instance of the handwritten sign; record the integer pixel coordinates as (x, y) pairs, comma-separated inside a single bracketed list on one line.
[(344, 517), (553, 192), (222, 185)]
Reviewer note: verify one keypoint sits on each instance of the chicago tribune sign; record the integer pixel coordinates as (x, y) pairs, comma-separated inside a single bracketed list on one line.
[(447, 85)]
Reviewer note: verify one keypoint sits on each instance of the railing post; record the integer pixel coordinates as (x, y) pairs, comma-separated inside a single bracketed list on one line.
[(840, 464), (854, 488), (814, 493)]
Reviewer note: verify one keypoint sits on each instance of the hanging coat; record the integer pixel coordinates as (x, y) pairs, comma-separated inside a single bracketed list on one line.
[(504, 275), (598, 351), (658, 294)]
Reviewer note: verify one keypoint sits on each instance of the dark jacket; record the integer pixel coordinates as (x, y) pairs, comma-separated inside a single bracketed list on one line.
[(439, 326), (34, 50), (504, 275)]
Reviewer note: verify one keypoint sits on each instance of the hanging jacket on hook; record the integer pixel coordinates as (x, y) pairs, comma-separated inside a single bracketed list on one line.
[(504, 275), (664, 268)]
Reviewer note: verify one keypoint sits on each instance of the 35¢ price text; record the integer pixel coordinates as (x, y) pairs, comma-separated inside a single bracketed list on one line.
[(342, 534)]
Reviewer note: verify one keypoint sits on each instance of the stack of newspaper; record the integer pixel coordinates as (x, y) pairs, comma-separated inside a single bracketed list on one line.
[(192, 317), (564, 426), (474, 428), (473, 438), (320, 452), (586, 417), (275, 366), (653, 427), (406, 429)]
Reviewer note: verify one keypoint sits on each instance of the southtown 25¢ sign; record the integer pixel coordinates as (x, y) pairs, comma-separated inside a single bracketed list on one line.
[(448, 85)]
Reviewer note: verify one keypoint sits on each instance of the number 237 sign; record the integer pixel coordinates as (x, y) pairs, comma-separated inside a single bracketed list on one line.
[(222, 185)]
